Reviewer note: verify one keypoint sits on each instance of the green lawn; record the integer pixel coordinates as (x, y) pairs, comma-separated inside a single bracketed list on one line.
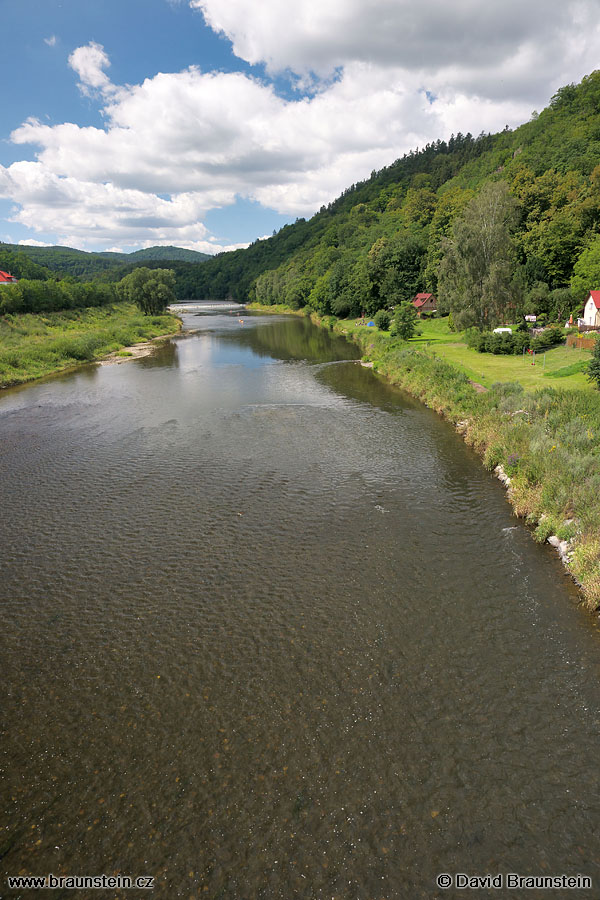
[(487, 368)]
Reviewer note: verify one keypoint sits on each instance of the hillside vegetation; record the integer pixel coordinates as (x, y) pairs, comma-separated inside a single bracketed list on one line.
[(23, 260), (390, 236)]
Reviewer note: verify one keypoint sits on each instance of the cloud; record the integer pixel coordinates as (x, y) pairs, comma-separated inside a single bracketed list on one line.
[(55, 203), (51, 41), (183, 143), (389, 76), (89, 63), (467, 39), (31, 242)]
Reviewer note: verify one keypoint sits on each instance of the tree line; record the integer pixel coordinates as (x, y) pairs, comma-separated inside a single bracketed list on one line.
[(152, 290)]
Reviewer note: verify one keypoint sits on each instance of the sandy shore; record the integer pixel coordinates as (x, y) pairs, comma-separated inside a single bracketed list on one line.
[(144, 348)]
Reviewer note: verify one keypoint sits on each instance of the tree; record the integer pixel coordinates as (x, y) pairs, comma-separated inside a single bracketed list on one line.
[(150, 289), (405, 321), (476, 272), (382, 319), (449, 207), (593, 369), (395, 269), (586, 272)]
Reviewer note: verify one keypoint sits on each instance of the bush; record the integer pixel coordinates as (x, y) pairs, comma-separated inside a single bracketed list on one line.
[(341, 307), (488, 342), (328, 322), (549, 337), (593, 368), (382, 319), (405, 321)]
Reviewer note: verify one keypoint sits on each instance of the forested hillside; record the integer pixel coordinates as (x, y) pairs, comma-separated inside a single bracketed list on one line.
[(19, 264), (83, 265), (163, 253), (419, 225)]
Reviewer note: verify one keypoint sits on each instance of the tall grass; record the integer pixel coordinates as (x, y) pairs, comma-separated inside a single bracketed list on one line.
[(35, 345)]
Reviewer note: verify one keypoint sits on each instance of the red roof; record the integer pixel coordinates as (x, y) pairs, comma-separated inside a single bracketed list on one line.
[(7, 277), (595, 295), (420, 299)]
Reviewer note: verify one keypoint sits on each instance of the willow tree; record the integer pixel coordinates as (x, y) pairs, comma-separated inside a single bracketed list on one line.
[(150, 289), (478, 260)]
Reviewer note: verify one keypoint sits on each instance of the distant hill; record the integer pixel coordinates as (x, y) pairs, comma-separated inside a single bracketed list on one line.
[(151, 253), (83, 265)]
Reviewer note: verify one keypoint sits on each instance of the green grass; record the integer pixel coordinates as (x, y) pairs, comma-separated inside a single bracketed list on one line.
[(571, 369), (435, 331), (32, 346), (487, 368)]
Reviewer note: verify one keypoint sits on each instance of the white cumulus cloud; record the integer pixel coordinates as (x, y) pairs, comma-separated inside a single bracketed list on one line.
[(466, 39), (390, 75), (89, 63)]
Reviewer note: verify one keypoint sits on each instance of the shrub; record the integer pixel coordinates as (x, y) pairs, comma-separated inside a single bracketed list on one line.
[(545, 528), (382, 319), (593, 368), (549, 337), (328, 322), (405, 319)]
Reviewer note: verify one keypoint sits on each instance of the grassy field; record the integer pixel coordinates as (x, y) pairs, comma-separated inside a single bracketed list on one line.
[(35, 345), (555, 367)]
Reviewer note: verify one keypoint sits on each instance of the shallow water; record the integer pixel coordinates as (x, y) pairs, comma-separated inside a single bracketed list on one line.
[(271, 631)]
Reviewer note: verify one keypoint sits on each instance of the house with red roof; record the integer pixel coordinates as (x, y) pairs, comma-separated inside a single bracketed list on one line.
[(7, 278), (591, 310), (424, 303)]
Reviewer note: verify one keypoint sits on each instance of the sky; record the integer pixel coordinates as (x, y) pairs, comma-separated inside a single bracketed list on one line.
[(208, 124)]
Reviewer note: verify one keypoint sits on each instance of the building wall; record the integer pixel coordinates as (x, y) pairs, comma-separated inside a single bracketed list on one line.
[(590, 313)]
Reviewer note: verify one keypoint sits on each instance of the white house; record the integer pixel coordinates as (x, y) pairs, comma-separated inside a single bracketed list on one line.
[(591, 310)]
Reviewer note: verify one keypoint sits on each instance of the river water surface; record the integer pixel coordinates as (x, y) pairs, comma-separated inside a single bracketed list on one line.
[(269, 630)]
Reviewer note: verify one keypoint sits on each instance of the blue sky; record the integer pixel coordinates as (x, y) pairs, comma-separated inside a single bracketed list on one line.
[(208, 124)]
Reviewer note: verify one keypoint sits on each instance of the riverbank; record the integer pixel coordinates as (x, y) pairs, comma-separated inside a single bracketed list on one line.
[(35, 345), (544, 443)]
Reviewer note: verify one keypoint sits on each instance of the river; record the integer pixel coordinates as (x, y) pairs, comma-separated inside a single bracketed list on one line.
[(270, 630)]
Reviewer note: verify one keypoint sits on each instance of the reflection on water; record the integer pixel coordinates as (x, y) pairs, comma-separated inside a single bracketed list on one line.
[(289, 338), (268, 631)]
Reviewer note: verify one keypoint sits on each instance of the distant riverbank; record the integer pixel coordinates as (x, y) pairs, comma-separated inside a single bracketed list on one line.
[(544, 444), (35, 345)]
